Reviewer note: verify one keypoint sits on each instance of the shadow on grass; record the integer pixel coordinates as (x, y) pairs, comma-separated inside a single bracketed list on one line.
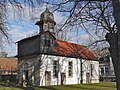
[(80, 87), (48, 87), (28, 88), (5, 84), (10, 85), (72, 87), (102, 85), (64, 87), (38, 88)]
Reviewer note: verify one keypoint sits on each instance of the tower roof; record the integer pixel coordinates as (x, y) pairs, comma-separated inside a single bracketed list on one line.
[(47, 15)]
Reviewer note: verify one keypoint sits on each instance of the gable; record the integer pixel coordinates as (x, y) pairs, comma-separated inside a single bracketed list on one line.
[(35, 44), (28, 46)]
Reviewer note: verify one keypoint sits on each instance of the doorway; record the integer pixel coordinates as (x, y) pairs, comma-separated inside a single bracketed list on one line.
[(87, 78), (26, 76), (63, 78), (47, 78)]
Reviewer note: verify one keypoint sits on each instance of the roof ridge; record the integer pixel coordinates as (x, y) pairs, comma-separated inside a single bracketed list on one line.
[(71, 42)]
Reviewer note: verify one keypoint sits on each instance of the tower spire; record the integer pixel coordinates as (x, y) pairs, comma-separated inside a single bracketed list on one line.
[(46, 5), (46, 22)]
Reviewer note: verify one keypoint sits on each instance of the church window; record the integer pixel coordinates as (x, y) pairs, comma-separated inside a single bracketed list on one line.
[(91, 66), (55, 69), (70, 69)]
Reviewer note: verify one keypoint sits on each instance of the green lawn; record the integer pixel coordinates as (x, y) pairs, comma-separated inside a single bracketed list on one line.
[(100, 86)]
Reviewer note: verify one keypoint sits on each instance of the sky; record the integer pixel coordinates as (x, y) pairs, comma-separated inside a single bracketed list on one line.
[(25, 27)]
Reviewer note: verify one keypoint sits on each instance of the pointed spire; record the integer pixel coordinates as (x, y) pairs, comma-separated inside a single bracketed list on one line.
[(47, 7)]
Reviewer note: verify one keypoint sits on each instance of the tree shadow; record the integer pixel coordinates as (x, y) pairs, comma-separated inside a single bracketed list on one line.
[(6, 84), (103, 85), (80, 87), (48, 87), (29, 88), (38, 87)]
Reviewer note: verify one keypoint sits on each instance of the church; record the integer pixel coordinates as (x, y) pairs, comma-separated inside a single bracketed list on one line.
[(44, 60)]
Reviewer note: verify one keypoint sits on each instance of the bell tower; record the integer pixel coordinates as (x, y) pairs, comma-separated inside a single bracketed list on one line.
[(46, 22)]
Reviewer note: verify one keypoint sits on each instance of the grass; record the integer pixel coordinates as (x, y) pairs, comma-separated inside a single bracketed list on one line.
[(100, 86)]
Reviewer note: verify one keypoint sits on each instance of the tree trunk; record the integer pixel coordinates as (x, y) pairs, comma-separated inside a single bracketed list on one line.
[(114, 41)]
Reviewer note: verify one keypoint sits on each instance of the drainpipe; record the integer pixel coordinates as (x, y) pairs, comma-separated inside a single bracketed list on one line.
[(81, 73), (58, 73)]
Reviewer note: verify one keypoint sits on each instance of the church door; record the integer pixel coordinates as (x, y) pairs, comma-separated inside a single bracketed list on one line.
[(63, 78), (87, 78), (26, 76), (47, 78), (26, 73)]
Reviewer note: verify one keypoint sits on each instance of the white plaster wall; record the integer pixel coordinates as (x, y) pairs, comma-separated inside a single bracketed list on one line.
[(34, 76), (38, 77), (63, 67)]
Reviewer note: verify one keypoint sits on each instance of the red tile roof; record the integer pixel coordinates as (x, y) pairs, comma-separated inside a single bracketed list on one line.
[(8, 63), (73, 50)]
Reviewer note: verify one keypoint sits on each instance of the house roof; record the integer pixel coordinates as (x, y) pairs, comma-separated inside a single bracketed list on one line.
[(73, 50), (8, 63)]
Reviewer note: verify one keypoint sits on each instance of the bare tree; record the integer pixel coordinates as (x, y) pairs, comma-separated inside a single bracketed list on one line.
[(78, 13), (17, 7), (90, 16)]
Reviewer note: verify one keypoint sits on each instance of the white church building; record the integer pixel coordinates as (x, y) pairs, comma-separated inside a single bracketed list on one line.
[(45, 60)]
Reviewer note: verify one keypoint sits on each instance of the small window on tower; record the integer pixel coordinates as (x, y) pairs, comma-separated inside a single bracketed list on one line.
[(47, 43)]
